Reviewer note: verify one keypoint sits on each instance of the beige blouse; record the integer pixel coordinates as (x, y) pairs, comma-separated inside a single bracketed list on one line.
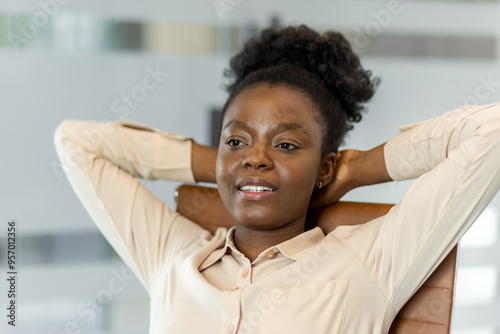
[(353, 280)]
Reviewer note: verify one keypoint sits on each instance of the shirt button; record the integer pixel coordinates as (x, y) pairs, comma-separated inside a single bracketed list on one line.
[(244, 273), (270, 254)]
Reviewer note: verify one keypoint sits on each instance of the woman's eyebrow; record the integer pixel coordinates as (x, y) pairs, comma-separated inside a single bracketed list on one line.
[(282, 127), (237, 124)]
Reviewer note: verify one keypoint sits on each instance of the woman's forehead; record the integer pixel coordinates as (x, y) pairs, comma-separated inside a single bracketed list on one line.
[(270, 104)]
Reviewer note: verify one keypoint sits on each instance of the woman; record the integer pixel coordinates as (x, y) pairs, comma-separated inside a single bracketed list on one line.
[(293, 98)]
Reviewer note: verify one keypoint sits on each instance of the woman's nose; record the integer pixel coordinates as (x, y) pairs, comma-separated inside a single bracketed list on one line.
[(257, 157)]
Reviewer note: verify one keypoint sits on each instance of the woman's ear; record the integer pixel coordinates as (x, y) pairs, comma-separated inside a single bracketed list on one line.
[(326, 170)]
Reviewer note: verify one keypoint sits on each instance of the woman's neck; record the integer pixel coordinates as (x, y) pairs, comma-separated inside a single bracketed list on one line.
[(252, 242)]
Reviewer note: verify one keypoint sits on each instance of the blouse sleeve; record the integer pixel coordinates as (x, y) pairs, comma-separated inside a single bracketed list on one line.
[(102, 162), (456, 159)]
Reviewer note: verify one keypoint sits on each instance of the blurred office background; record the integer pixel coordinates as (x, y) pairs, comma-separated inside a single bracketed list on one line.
[(87, 60)]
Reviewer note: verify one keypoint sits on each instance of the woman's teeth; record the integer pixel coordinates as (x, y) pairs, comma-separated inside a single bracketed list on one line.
[(255, 188)]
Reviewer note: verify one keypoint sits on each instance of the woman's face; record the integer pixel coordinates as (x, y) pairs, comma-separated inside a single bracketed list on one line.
[(269, 157)]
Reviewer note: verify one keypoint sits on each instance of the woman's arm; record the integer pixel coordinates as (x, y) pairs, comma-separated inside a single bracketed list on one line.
[(103, 162), (455, 158), (369, 167), (203, 162)]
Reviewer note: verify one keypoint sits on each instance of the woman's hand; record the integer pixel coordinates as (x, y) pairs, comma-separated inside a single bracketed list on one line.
[(343, 181), (353, 169)]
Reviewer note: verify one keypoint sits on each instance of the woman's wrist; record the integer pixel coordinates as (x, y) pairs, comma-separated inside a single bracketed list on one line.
[(368, 167), (203, 160)]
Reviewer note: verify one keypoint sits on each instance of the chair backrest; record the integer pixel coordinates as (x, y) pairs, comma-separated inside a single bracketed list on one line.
[(429, 309)]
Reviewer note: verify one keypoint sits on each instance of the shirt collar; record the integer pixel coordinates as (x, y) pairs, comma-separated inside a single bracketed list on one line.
[(217, 254), (297, 247), (294, 248)]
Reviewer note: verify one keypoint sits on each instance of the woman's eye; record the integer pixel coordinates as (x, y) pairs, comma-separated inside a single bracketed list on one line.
[(234, 142), (287, 146)]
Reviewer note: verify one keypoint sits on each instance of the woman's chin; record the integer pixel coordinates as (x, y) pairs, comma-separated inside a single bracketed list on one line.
[(256, 221), (255, 224), (264, 217), (263, 222)]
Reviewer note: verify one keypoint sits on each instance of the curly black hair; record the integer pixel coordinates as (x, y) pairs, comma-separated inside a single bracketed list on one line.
[(323, 67)]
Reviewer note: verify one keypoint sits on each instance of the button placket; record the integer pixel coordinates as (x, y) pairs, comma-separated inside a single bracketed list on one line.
[(246, 277), (231, 301)]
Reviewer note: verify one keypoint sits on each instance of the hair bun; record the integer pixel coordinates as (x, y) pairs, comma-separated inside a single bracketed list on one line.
[(328, 55)]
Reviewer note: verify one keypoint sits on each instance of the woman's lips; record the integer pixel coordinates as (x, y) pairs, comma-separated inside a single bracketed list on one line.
[(255, 193), (255, 190), (255, 182)]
